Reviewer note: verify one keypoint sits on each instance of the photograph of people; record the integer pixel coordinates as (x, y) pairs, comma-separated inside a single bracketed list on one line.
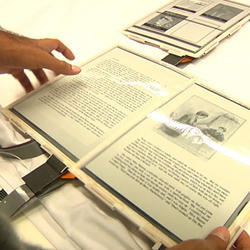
[(192, 119), (217, 134), (196, 125)]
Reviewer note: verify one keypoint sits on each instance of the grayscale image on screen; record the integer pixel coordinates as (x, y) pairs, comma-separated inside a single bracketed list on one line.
[(199, 126), (222, 12), (165, 21)]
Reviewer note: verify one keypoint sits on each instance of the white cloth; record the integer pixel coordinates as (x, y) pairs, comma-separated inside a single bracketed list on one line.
[(7, 136), (69, 217)]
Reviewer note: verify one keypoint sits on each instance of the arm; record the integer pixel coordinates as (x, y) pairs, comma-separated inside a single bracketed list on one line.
[(18, 53)]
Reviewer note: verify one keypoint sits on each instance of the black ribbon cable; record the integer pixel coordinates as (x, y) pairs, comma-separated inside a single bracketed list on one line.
[(3, 194), (38, 182), (176, 60), (25, 150)]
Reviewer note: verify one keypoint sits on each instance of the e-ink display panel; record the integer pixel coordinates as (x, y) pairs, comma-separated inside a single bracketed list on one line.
[(165, 21), (190, 27), (222, 12)]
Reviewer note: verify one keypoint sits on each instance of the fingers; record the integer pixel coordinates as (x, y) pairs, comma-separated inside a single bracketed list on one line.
[(219, 238), (55, 44), (64, 50), (23, 79), (42, 58), (58, 66), (40, 75), (243, 242), (35, 55), (39, 56)]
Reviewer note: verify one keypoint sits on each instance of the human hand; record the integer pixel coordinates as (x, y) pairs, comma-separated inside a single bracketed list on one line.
[(217, 240), (18, 53)]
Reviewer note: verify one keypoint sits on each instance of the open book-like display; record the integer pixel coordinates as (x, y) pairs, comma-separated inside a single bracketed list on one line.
[(189, 27), (149, 140)]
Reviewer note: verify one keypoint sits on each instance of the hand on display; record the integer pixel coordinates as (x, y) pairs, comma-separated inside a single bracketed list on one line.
[(18, 53)]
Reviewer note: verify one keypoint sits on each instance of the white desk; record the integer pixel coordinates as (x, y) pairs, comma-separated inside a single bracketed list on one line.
[(91, 26)]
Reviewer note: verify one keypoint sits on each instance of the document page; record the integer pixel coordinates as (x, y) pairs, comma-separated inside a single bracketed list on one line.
[(209, 21), (186, 167), (113, 92)]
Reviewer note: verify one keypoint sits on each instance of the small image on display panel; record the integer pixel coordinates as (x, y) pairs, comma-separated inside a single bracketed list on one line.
[(222, 12), (192, 5), (165, 21)]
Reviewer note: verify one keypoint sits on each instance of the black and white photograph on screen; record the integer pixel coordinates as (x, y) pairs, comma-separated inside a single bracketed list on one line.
[(164, 21), (200, 126), (222, 12)]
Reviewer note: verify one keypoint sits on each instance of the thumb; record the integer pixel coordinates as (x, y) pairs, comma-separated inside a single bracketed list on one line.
[(219, 238)]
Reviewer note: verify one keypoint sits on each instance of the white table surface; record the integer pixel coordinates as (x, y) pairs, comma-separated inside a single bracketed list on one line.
[(90, 26)]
